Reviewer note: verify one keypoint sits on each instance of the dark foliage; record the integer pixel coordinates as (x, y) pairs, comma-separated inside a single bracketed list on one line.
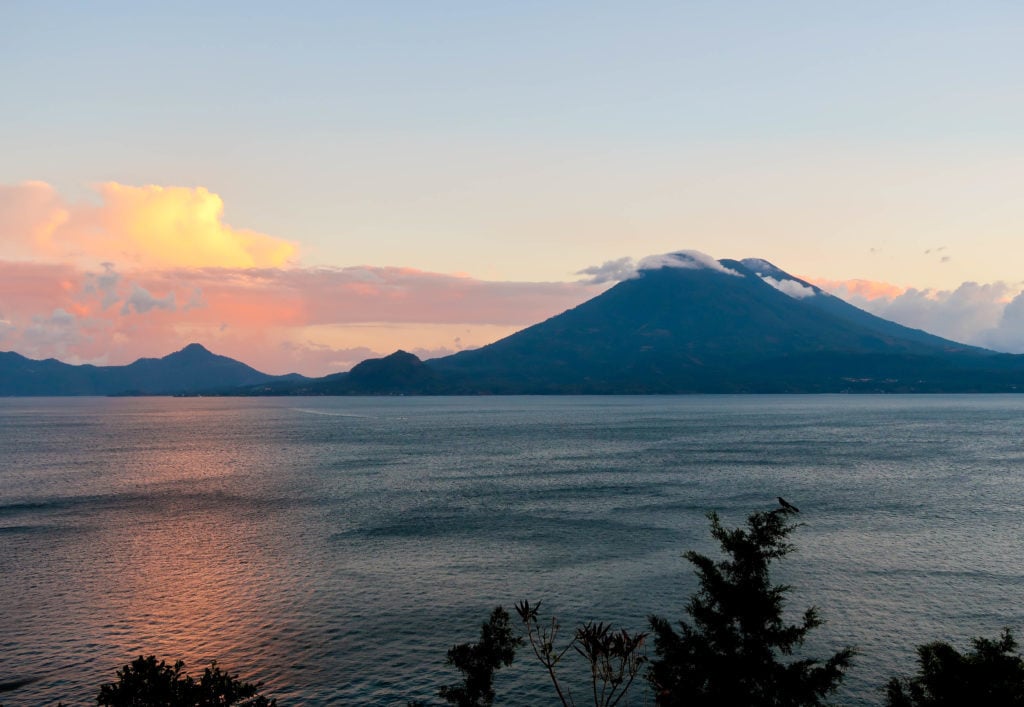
[(992, 675), (146, 683), (614, 658), (731, 651), (478, 661)]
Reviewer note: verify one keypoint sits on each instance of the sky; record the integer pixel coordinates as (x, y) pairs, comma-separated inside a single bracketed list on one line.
[(305, 185)]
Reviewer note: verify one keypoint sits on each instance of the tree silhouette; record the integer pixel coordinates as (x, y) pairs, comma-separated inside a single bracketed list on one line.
[(478, 661), (144, 682), (991, 675), (614, 657), (732, 650)]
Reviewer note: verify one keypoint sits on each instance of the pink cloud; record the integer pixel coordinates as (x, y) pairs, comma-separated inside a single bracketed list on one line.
[(862, 289), (973, 313), (262, 316)]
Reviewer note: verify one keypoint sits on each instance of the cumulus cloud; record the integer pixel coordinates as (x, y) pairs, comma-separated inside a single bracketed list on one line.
[(142, 301), (1008, 334), (178, 226), (792, 288), (989, 315), (104, 283), (148, 226), (30, 213)]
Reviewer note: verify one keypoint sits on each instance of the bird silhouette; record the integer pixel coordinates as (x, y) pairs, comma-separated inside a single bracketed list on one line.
[(787, 506)]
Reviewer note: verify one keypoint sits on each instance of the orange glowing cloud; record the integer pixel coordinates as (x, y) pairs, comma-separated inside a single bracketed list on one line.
[(181, 227), (862, 289), (149, 226)]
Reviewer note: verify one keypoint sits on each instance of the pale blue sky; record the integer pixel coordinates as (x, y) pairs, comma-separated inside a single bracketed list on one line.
[(529, 140)]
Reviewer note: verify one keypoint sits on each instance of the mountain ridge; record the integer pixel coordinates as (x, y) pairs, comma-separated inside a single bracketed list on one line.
[(190, 370), (684, 324)]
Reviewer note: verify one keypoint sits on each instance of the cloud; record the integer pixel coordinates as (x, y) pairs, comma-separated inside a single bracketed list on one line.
[(858, 289), (142, 270), (792, 288), (784, 284), (149, 226), (57, 333), (627, 268), (989, 315), (251, 313), (142, 301), (105, 283), (687, 260), (30, 213), (368, 294), (33, 288), (611, 271), (183, 227), (760, 266), (1008, 334)]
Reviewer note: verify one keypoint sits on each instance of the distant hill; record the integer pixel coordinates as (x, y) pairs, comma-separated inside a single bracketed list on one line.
[(191, 370)]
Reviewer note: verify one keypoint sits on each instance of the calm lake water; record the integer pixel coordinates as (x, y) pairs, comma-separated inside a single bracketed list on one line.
[(335, 548)]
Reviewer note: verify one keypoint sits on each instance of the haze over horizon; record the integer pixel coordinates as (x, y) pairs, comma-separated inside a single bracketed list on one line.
[(301, 189)]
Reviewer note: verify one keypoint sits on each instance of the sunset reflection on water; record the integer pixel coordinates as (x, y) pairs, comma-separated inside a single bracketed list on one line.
[(179, 554), (335, 549)]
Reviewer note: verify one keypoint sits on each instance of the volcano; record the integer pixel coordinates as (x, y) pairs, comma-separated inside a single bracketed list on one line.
[(695, 325)]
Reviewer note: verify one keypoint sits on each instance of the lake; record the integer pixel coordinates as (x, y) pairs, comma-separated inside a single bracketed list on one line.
[(335, 548)]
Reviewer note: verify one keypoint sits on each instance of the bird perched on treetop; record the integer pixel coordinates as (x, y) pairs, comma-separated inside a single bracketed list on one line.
[(787, 506)]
